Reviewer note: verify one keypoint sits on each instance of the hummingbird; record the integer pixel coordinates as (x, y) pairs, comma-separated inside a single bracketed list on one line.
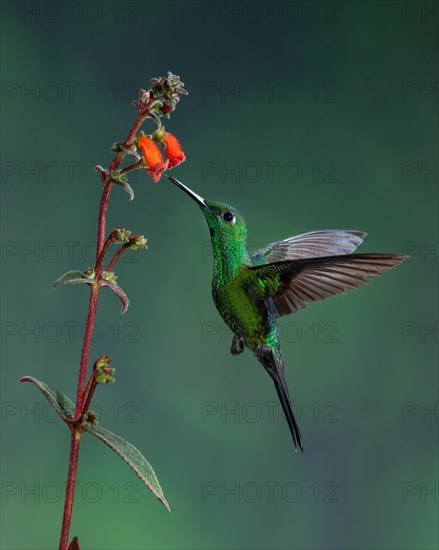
[(251, 291)]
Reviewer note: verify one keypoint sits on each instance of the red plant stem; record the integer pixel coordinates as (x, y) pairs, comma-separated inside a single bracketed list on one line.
[(103, 216), (109, 185), (114, 259), (91, 386), (75, 443), (94, 296), (136, 166), (98, 266), (75, 430), (88, 335)]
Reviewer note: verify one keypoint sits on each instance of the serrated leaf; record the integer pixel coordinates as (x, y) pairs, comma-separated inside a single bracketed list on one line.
[(127, 188), (59, 401), (119, 292), (133, 457), (72, 278)]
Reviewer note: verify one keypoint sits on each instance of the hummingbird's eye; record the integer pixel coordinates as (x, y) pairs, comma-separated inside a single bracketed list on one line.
[(228, 217)]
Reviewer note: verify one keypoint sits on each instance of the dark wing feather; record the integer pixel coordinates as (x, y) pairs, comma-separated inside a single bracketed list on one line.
[(288, 286), (331, 242)]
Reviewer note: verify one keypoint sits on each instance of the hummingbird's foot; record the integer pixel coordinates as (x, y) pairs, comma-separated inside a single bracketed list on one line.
[(237, 345)]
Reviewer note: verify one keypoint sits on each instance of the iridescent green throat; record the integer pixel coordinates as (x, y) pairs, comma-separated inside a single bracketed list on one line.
[(229, 256)]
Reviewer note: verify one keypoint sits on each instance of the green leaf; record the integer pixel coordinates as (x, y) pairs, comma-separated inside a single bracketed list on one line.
[(59, 401), (122, 180), (72, 278), (133, 457), (119, 292), (103, 171), (127, 188)]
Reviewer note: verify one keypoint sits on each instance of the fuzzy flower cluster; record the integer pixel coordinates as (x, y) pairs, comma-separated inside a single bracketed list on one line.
[(162, 97)]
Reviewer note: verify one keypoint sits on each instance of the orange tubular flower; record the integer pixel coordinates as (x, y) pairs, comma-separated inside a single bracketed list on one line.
[(153, 157), (173, 150)]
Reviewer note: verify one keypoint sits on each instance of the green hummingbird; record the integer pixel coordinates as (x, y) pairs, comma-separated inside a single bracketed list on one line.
[(251, 291)]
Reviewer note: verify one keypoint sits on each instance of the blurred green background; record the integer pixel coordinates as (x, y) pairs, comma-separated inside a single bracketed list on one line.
[(304, 116)]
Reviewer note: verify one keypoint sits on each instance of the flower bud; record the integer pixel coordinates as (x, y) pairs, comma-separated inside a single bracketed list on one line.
[(159, 135), (90, 418), (102, 361), (137, 242), (144, 95), (105, 376), (109, 276), (119, 235), (102, 371), (89, 273)]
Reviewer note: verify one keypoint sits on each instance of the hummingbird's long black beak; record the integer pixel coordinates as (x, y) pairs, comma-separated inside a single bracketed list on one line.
[(199, 200)]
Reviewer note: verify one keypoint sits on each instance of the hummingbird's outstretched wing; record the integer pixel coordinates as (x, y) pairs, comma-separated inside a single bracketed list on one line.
[(331, 242), (288, 285)]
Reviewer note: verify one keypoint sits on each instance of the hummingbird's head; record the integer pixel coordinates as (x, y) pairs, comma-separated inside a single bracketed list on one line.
[(223, 221)]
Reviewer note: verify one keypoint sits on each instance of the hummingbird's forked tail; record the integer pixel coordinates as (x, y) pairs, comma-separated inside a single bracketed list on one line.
[(274, 366), (289, 415)]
